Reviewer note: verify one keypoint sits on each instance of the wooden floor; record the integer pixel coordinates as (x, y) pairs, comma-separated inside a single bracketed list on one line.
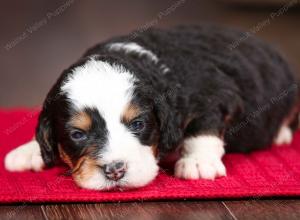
[(185, 210), (54, 39)]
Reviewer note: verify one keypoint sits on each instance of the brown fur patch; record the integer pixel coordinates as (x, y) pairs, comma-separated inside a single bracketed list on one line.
[(82, 121), (154, 149), (84, 169), (130, 113), (76, 165), (65, 157), (79, 163)]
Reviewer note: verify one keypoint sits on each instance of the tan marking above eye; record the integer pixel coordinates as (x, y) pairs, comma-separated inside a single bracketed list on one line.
[(131, 112), (82, 121)]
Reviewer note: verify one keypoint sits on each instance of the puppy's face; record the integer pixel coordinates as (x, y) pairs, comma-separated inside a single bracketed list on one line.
[(102, 128), (104, 154)]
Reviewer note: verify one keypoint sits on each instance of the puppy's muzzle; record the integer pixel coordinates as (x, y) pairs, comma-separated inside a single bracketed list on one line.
[(114, 170)]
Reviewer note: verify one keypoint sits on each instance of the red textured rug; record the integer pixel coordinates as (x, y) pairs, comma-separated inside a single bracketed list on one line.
[(272, 172)]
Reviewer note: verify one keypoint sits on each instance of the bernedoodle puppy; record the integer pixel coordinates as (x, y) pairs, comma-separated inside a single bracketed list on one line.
[(132, 100)]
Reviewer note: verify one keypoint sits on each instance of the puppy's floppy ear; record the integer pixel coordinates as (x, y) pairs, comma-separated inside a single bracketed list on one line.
[(169, 124), (45, 132), (46, 138)]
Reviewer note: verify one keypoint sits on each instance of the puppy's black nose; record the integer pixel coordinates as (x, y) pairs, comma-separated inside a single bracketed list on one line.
[(115, 170)]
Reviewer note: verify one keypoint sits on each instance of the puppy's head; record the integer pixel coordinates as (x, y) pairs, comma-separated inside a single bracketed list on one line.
[(105, 126)]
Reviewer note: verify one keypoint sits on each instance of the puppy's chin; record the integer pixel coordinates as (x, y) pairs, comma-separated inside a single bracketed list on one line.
[(140, 173)]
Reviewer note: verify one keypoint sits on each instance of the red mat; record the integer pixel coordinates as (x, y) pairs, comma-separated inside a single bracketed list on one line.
[(273, 172)]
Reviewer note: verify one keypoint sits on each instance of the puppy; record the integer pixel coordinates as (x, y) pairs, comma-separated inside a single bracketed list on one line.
[(132, 100)]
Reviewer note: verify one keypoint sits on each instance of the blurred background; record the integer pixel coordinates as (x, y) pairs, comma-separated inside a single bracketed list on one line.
[(40, 38)]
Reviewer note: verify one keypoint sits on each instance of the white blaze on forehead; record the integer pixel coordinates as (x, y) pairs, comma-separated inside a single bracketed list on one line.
[(98, 84), (109, 89), (132, 47)]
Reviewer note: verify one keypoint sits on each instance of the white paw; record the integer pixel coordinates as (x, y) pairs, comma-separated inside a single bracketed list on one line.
[(285, 136), (196, 168), (25, 157)]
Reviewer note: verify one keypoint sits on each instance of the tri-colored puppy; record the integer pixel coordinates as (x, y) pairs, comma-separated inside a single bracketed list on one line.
[(132, 100)]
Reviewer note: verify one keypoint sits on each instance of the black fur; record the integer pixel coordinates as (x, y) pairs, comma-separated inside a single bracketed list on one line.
[(211, 87)]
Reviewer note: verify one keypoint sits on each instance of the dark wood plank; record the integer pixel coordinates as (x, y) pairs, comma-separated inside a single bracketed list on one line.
[(239, 209), (21, 212), (264, 209), (147, 210)]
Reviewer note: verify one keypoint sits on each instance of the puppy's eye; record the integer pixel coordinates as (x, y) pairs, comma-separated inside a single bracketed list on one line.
[(137, 126), (78, 135)]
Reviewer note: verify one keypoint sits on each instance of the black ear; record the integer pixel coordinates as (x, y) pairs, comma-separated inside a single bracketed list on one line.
[(46, 138), (171, 132), (45, 132)]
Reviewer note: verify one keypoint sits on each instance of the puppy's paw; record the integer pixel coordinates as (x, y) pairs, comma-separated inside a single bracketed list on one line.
[(285, 136), (196, 168), (25, 157)]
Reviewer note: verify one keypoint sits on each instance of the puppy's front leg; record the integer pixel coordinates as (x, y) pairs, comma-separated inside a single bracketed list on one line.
[(25, 157), (201, 158)]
